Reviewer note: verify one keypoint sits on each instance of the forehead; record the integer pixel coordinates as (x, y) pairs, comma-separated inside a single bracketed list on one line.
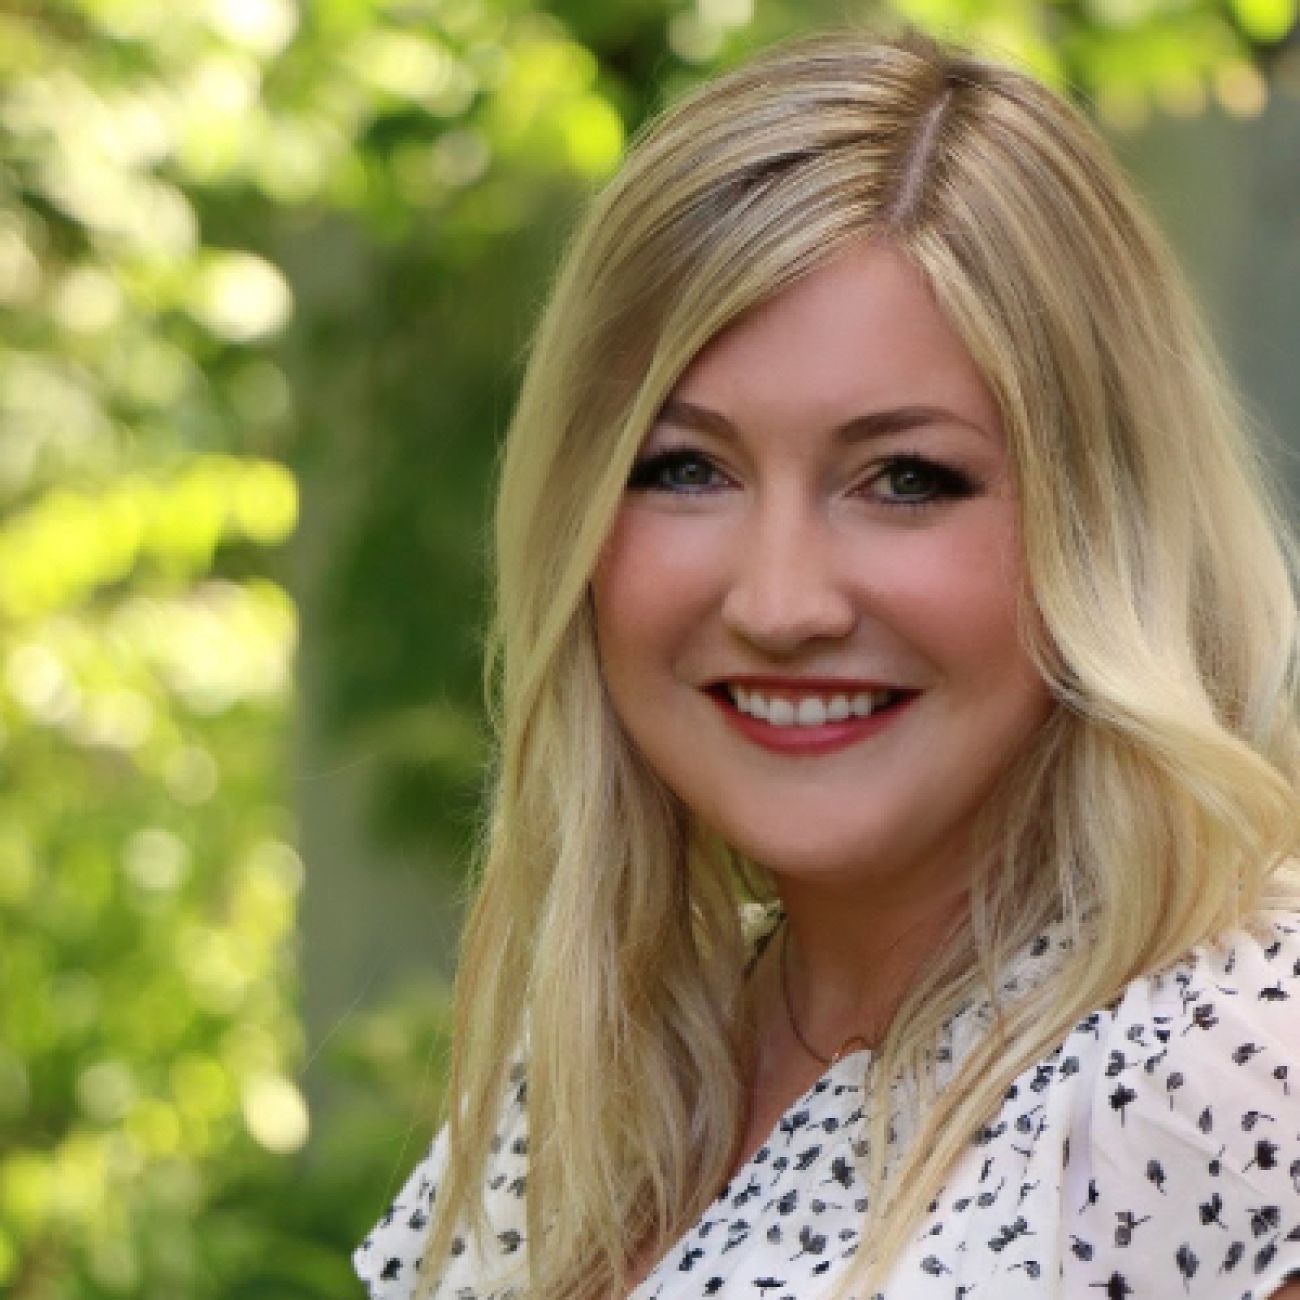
[(862, 332)]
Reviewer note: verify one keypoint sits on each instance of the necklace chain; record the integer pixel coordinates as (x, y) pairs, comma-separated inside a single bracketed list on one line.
[(850, 1043)]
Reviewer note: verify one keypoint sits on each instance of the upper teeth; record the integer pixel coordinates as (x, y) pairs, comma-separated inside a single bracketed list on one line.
[(808, 710)]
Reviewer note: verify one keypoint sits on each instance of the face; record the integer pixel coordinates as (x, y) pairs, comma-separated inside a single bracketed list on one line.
[(807, 608)]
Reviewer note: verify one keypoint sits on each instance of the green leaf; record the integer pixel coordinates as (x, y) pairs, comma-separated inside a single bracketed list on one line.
[(1265, 21)]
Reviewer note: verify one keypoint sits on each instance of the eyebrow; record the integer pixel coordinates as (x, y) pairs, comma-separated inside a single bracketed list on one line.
[(874, 424)]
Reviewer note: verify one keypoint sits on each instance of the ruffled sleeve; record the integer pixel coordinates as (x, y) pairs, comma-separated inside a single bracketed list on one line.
[(1183, 1165), (389, 1260)]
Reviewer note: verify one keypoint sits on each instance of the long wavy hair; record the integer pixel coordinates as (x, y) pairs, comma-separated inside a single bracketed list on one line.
[(1157, 806)]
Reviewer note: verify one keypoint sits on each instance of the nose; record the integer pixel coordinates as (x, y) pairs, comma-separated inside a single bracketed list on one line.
[(787, 589)]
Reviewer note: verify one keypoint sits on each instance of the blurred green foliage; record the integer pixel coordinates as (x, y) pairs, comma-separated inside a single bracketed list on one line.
[(252, 251)]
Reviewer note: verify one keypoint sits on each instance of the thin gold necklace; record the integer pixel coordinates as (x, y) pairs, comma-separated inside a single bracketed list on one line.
[(852, 1043)]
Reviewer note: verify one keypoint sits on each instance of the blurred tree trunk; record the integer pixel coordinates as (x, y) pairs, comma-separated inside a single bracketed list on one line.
[(373, 917), (1227, 192)]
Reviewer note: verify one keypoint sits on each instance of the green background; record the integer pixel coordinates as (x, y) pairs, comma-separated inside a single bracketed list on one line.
[(267, 272)]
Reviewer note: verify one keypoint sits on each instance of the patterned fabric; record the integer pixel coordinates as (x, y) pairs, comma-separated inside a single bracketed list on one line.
[(1154, 1153)]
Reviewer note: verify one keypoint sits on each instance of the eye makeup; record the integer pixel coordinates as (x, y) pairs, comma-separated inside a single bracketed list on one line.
[(687, 471), (945, 482), (651, 473)]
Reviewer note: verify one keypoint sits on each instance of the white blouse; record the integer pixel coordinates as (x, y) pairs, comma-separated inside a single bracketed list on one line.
[(1154, 1153)]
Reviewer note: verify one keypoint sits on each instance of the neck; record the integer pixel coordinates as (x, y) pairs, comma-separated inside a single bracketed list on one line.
[(849, 966)]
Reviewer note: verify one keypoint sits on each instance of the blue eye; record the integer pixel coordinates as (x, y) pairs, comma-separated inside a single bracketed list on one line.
[(912, 480), (679, 469), (917, 482)]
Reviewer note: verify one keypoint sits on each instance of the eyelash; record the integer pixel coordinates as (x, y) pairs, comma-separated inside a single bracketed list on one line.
[(950, 483)]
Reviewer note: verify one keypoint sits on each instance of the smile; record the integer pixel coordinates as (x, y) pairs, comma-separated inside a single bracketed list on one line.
[(807, 723), (809, 710)]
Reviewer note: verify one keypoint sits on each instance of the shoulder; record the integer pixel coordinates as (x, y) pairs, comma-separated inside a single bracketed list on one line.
[(1218, 1027), (1255, 965), (389, 1260), (1186, 1135)]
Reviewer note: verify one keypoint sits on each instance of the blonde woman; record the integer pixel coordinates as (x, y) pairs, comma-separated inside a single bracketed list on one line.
[(877, 542)]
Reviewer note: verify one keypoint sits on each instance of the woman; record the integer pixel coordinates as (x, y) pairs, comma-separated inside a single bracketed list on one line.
[(876, 538)]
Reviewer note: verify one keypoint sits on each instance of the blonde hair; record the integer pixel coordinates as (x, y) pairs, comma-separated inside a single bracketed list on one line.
[(1156, 807)]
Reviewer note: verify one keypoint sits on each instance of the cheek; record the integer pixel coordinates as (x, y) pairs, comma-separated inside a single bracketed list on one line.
[(959, 607), (622, 580), (652, 576), (628, 598), (957, 598)]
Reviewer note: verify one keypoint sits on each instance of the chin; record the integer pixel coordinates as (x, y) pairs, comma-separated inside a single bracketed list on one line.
[(829, 865)]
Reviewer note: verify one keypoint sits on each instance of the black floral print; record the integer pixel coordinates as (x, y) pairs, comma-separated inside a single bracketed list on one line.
[(1154, 1153)]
